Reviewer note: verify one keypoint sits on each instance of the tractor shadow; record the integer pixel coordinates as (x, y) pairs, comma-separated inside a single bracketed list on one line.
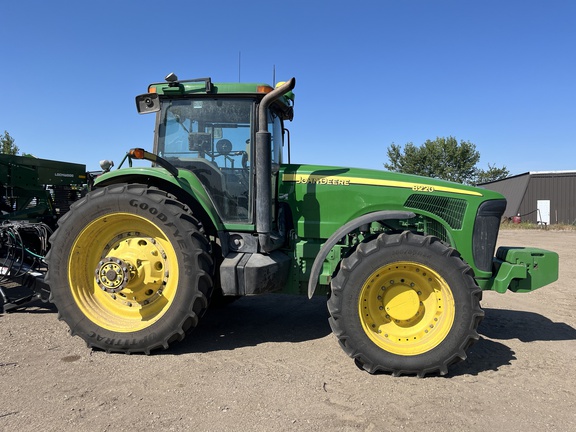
[(250, 321), (525, 326), (501, 325)]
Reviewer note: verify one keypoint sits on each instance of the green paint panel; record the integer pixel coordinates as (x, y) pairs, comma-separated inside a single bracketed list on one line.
[(323, 199)]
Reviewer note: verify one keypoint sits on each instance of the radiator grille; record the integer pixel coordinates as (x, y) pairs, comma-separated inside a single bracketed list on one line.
[(451, 210), (436, 229)]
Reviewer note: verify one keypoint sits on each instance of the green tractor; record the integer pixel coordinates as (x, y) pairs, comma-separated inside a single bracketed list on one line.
[(402, 259)]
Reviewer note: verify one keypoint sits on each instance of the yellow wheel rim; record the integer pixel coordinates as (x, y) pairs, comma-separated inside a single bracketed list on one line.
[(123, 272), (406, 308)]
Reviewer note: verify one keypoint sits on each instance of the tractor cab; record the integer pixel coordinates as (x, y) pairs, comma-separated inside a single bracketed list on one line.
[(210, 130)]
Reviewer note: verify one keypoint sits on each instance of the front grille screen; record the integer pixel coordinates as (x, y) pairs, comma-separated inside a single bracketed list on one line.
[(451, 210)]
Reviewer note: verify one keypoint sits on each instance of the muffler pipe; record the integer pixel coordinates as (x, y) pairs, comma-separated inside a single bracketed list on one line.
[(263, 165)]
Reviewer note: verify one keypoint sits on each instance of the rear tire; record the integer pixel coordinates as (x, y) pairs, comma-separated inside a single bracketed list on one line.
[(130, 269), (405, 304)]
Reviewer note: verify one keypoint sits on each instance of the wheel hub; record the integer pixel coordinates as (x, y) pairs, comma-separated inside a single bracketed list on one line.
[(113, 274), (401, 302)]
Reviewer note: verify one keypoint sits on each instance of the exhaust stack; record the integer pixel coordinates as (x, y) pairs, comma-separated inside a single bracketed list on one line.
[(264, 171)]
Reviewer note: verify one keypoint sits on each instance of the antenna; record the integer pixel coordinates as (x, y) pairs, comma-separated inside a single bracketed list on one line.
[(274, 75), (239, 63)]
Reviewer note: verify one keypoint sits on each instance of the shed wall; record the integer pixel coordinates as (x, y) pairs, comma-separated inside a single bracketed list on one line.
[(559, 189)]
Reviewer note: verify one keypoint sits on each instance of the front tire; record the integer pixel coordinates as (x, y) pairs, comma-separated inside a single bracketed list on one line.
[(405, 304), (130, 269)]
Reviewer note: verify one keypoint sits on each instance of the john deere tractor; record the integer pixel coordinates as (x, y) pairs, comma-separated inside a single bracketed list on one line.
[(216, 213)]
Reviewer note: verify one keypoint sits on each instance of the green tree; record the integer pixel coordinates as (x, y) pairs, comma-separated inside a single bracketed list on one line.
[(7, 145), (493, 173), (443, 158)]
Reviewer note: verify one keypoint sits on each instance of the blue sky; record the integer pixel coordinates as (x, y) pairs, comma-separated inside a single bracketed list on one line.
[(501, 74)]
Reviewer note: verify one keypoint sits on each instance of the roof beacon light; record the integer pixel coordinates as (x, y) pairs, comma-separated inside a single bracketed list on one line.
[(264, 89)]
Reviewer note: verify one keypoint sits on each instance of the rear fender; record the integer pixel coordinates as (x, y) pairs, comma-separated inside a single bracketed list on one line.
[(186, 187)]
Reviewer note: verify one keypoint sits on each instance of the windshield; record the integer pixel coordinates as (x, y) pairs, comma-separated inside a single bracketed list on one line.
[(211, 137)]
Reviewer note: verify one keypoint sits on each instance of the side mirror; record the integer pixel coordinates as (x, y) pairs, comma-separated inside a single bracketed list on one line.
[(147, 103)]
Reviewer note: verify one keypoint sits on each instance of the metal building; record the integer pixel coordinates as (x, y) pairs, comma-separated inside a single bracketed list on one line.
[(542, 197)]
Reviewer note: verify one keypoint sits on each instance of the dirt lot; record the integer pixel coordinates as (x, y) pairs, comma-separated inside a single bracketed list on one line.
[(271, 363)]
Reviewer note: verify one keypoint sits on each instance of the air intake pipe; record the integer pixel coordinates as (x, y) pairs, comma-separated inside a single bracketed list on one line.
[(263, 158)]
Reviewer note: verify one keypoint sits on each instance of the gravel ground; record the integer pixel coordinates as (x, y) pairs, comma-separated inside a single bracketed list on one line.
[(271, 363)]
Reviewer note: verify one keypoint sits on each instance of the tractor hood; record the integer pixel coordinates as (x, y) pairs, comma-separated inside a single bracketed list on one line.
[(324, 198), (339, 176)]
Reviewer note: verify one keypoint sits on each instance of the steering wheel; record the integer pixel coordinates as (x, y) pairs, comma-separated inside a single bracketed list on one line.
[(224, 147)]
